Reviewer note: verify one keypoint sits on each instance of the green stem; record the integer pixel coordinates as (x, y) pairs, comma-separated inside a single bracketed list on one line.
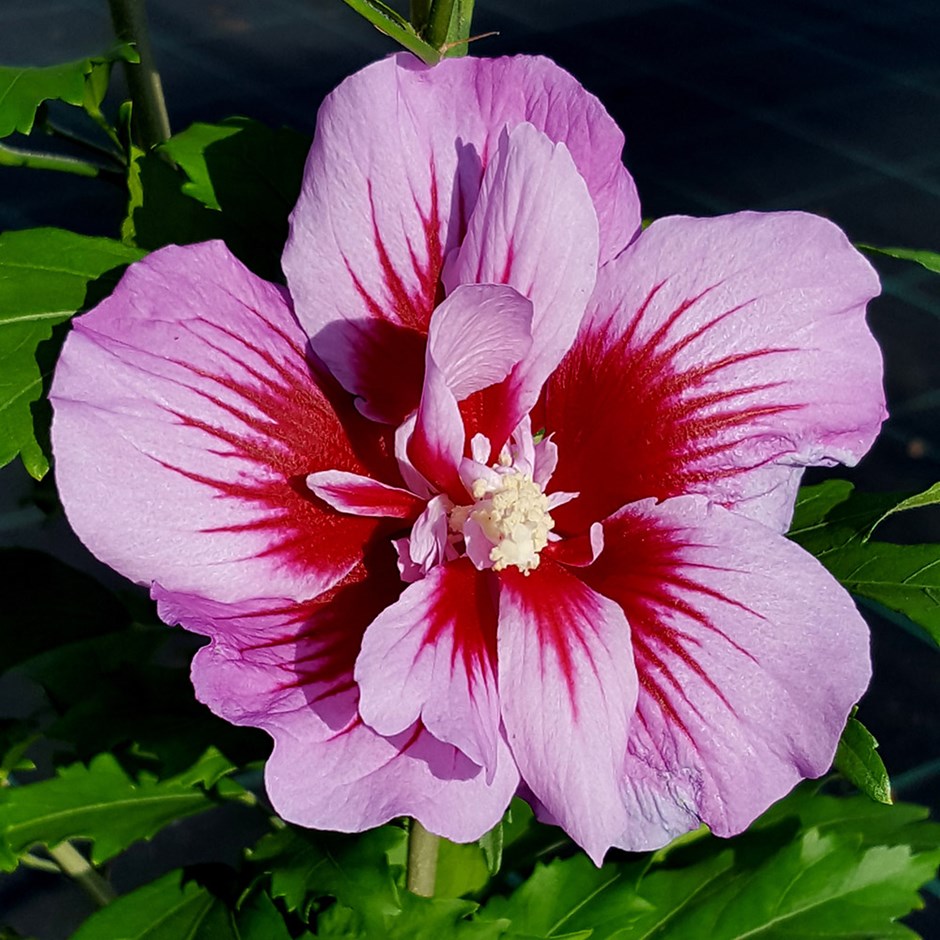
[(422, 860), (54, 130), (143, 79), (77, 867), (37, 160)]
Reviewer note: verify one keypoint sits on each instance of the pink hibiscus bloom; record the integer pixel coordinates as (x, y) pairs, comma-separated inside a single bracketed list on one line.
[(492, 499)]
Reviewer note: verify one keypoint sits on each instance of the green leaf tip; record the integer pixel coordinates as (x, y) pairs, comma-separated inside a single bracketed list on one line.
[(928, 259), (857, 759)]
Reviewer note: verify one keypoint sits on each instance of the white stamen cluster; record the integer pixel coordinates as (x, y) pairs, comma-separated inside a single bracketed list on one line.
[(513, 516)]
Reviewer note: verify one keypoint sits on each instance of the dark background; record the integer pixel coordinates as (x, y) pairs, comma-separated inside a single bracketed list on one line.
[(827, 106)]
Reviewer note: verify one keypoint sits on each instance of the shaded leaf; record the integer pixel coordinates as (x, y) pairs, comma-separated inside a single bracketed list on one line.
[(159, 212), (46, 275), (237, 180), (258, 919), (305, 865), (47, 603), (833, 522), (73, 671), (103, 804), (82, 83), (857, 759)]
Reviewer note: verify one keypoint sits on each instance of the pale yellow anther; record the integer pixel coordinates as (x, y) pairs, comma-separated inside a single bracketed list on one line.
[(515, 518)]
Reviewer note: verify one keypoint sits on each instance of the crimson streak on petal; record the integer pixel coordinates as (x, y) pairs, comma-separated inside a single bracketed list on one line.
[(432, 656), (730, 623), (619, 403)]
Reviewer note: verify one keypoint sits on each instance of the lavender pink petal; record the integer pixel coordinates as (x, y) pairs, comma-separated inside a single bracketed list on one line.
[(186, 419), (390, 185), (718, 356), (750, 657)]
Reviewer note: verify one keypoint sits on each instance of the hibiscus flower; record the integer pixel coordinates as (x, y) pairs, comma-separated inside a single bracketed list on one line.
[(491, 499)]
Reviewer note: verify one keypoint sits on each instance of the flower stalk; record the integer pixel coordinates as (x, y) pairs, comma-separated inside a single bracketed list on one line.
[(150, 114), (443, 24), (423, 848), (80, 870)]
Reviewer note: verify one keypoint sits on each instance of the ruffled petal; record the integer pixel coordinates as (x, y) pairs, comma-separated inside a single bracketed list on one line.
[(750, 657), (187, 417), (355, 779), (287, 668), (567, 685), (534, 228), (391, 180), (432, 656), (476, 337), (719, 356)]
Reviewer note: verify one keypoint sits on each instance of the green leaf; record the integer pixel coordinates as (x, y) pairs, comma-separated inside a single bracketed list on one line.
[(305, 865), (159, 212), (101, 803), (815, 886), (165, 909), (16, 738), (388, 21), (857, 759), (435, 918), (569, 896), (461, 869), (929, 259), (47, 603), (833, 523), (82, 83), (72, 672), (46, 275), (874, 823), (491, 845), (258, 919), (236, 180)]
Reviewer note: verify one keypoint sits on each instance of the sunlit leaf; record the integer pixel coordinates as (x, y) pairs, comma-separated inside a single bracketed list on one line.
[(833, 523), (491, 845), (929, 259), (46, 275), (461, 869), (174, 907), (816, 886), (82, 83), (930, 497), (812, 866), (904, 824), (569, 896), (396, 27), (101, 803)]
